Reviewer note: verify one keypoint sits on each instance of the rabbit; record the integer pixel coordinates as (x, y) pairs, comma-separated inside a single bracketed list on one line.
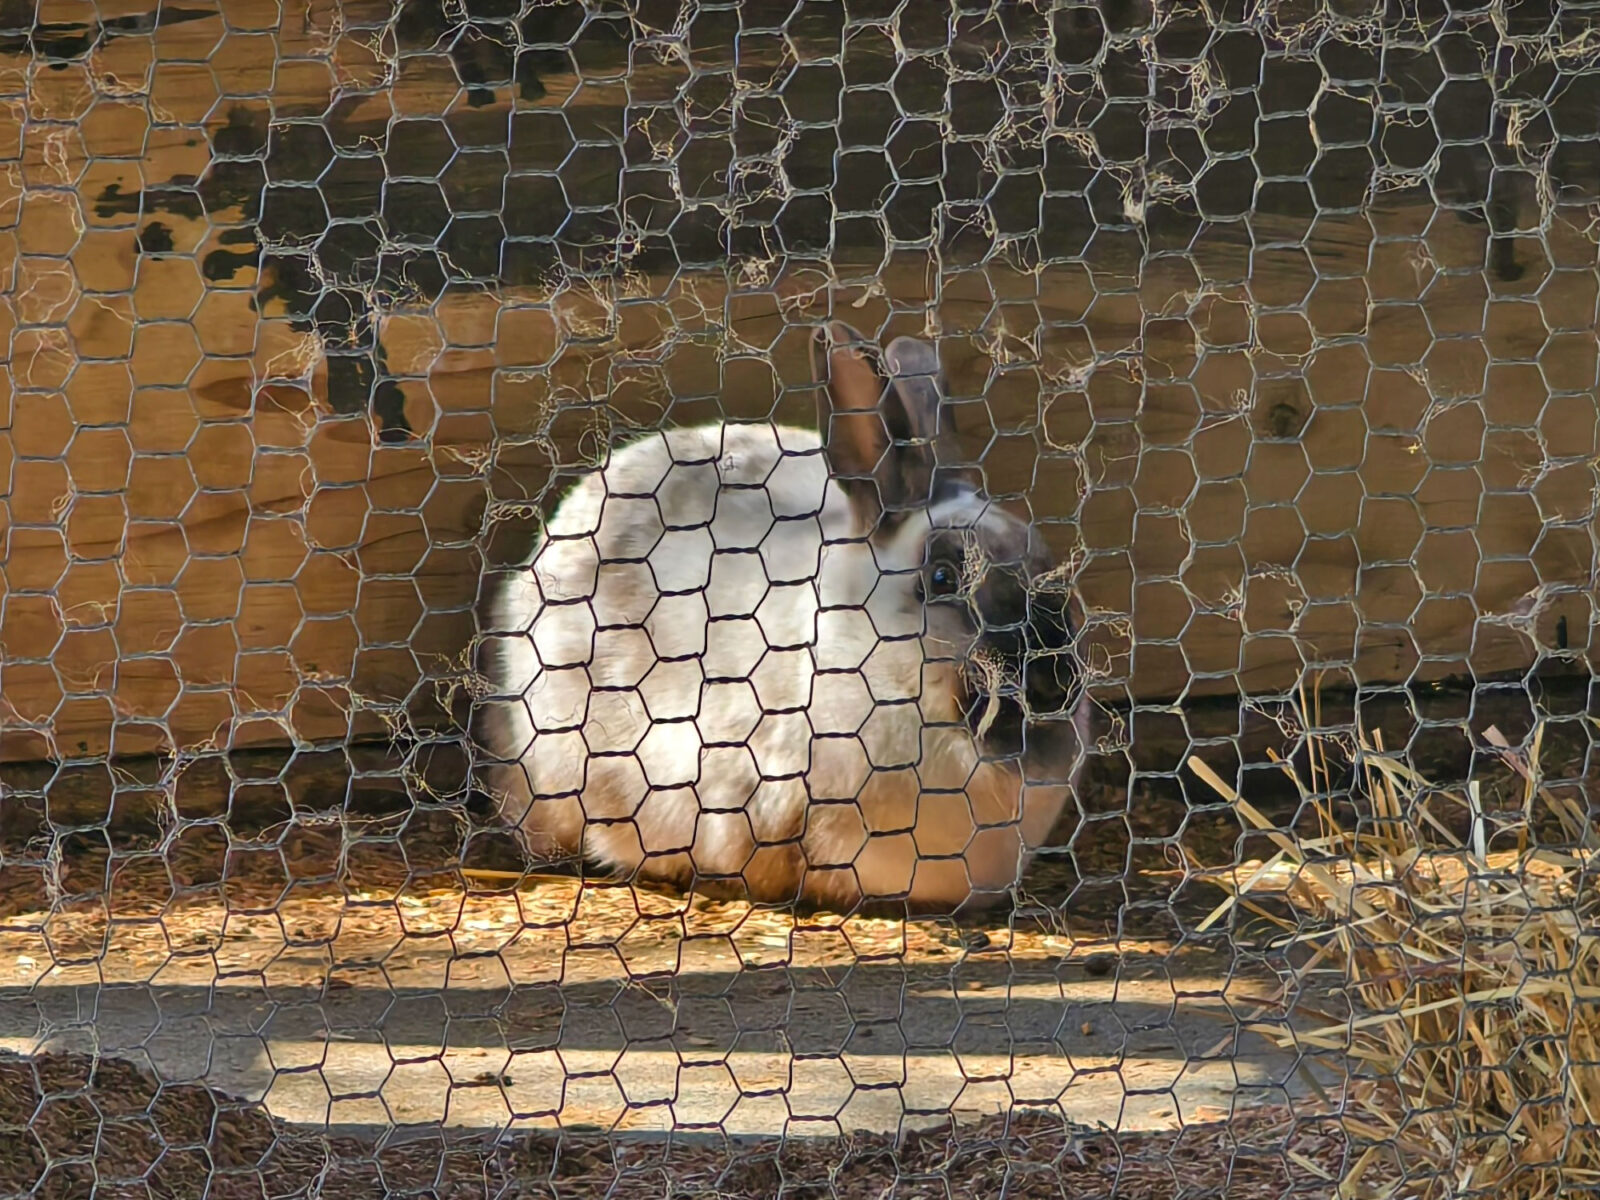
[(808, 667)]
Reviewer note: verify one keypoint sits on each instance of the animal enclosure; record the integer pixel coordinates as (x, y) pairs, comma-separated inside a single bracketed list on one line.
[(1276, 321)]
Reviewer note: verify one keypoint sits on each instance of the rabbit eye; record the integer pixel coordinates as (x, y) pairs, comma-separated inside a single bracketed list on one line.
[(943, 580)]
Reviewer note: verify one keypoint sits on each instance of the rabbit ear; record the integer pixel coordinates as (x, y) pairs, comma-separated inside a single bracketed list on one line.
[(878, 427), (850, 415), (914, 367)]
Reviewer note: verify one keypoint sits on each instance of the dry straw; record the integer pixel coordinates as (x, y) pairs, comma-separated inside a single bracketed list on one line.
[(1471, 1048)]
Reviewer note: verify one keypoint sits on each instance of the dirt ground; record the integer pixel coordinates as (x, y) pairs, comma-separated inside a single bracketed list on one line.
[(313, 1010), (378, 999), (152, 1140)]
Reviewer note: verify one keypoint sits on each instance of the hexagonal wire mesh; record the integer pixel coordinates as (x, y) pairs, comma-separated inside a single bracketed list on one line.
[(1266, 338)]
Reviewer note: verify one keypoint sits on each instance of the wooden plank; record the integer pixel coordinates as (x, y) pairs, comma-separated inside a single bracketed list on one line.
[(338, 565), (1299, 446)]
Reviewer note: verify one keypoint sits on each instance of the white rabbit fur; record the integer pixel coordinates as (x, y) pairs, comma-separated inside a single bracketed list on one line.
[(711, 673)]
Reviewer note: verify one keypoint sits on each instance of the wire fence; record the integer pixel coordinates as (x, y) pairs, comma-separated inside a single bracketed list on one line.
[(798, 598)]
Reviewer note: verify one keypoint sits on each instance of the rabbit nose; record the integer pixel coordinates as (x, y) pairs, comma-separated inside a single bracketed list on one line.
[(1051, 681), (1050, 624)]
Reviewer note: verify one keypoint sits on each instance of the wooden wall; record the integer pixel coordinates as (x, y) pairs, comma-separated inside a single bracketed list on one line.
[(1274, 444)]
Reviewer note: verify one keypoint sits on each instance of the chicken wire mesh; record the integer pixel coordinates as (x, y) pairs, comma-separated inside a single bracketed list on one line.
[(1275, 323)]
